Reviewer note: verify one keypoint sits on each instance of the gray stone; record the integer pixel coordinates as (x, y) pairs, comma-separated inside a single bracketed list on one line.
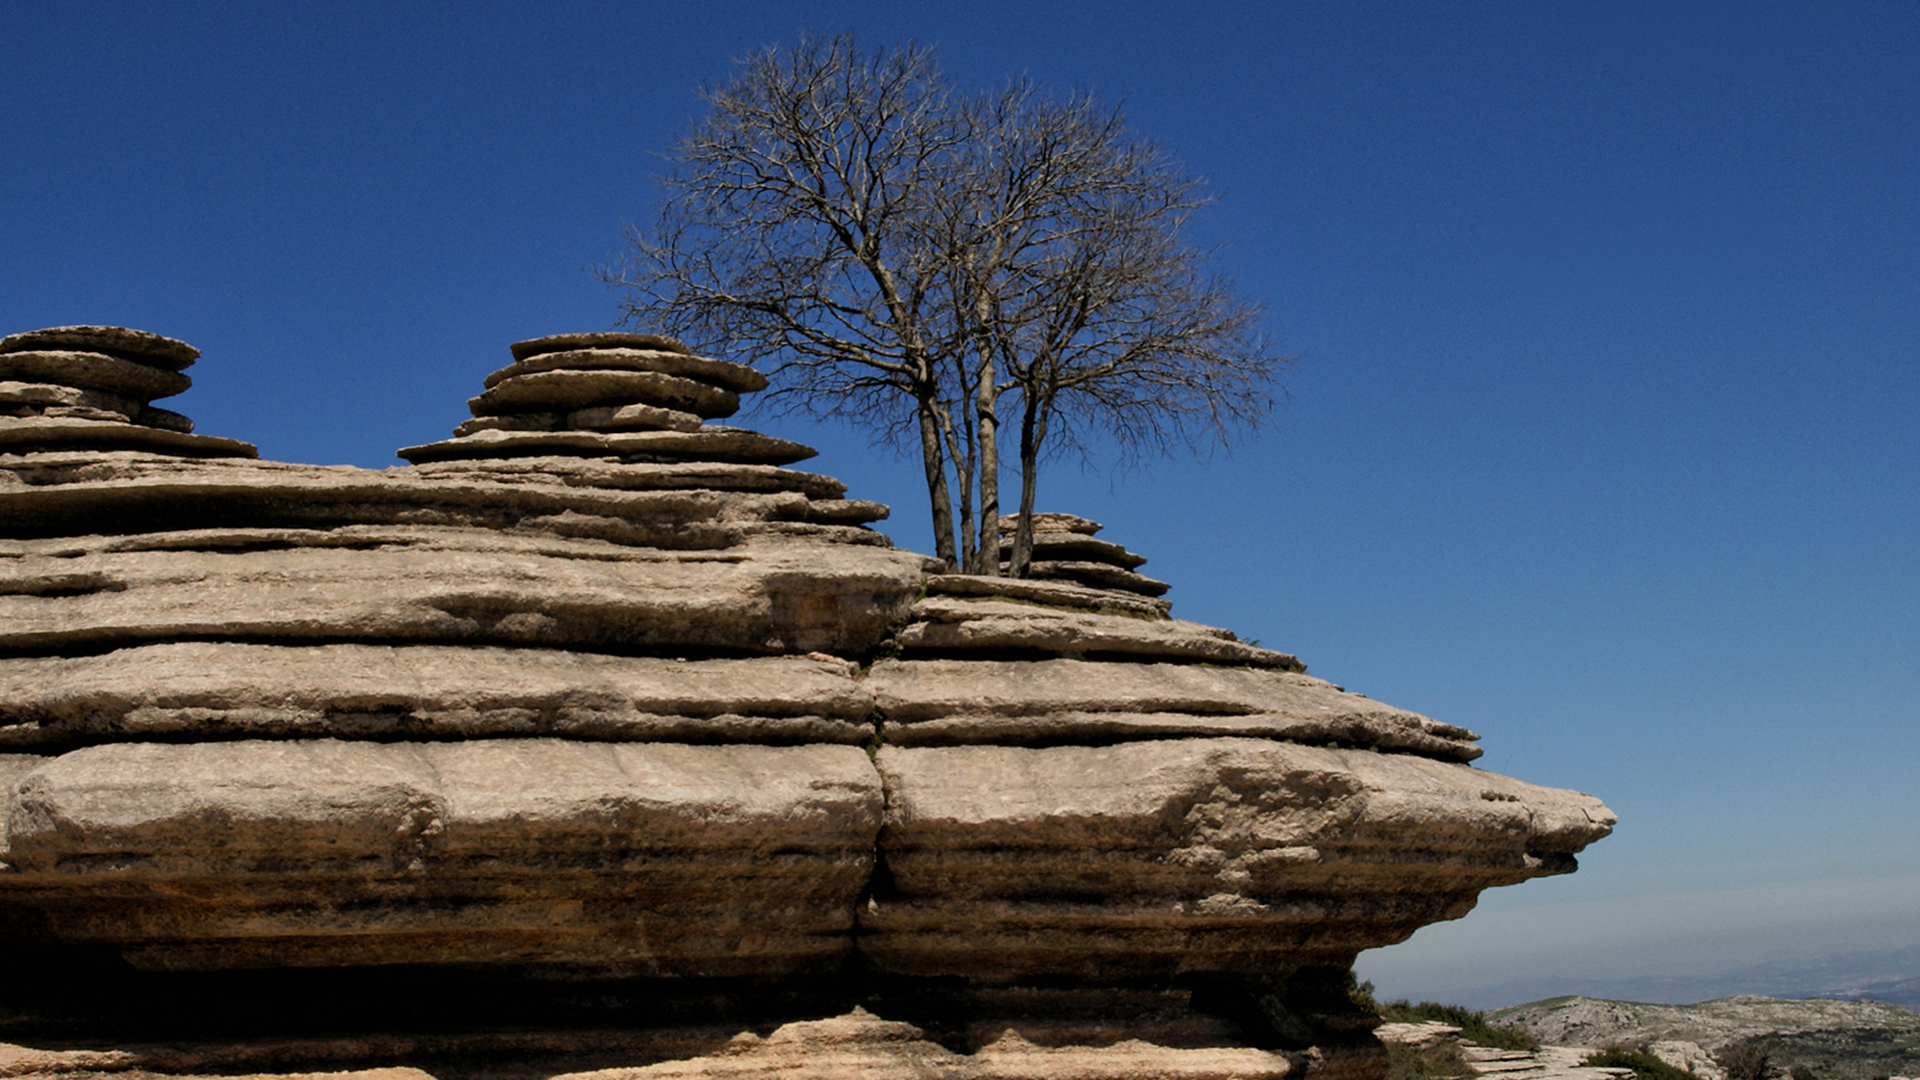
[(1073, 546), (766, 594), (952, 702), (679, 506), (736, 377), (164, 418), (633, 418), (1147, 859), (41, 394), (860, 1044), (13, 767), (92, 371), (82, 412), (533, 421), (136, 345), (664, 859), (1064, 594), (1051, 523), (609, 339), (948, 623), (566, 390), (709, 444), (19, 435), (220, 690), (582, 472), (1096, 575)]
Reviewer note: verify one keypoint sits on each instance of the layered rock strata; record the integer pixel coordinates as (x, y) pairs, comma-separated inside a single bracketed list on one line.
[(633, 397), (92, 388), (600, 688), (532, 709)]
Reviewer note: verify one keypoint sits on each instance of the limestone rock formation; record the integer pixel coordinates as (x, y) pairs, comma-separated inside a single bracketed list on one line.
[(92, 387), (597, 689), (637, 397)]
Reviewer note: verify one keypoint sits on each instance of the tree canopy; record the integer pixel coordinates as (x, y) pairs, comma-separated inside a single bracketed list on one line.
[(918, 260)]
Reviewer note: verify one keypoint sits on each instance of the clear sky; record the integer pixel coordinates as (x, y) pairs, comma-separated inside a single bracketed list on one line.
[(1601, 441)]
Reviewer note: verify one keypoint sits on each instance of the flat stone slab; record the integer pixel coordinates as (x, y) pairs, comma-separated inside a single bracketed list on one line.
[(669, 859), (1146, 859), (602, 418), (137, 345), (225, 690), (633, 418), (1095, 575), (955, 702), (25, 434), (767, 593), (606, 339), (683, 506), (92, 371), (1051, 523), (709, 444), (40, 393), (566, 390), (1051, 593), (736, 377), (1073, 546), (951, 623)]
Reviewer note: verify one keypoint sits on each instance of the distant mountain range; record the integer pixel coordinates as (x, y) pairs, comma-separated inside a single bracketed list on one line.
[(1892, 976), (1848, 1040)]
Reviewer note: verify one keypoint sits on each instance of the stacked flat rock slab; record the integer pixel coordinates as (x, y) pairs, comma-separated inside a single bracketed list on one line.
[(631, 397), (598, 689), (1081, 599), (92, 387), (549, 709)]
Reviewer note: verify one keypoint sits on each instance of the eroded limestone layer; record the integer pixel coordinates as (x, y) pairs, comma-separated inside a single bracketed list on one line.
[(1151, 858), (596, 688), (661, 859)]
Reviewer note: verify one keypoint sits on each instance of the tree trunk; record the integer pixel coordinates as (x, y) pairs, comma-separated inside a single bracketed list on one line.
[(963, 458), (1033, 430), (987, 554), (942, 504)]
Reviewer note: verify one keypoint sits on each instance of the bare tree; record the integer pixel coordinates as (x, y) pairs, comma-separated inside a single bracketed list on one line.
[(904, 257)]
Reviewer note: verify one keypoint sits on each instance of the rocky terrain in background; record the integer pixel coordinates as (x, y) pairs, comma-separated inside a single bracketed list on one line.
[(1854, 1040), (600, 737)]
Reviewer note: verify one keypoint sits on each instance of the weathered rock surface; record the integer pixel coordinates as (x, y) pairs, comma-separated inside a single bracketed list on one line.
[(738, 378), (226, 689), (567, 388), (952, 702), (715, 444), (1224, 854), (1060, 594), (594, 689), (599, 589), (28, 434), (93, 371), (605, 339), (138, 346), (658, 858), (945, 624), (863, 1045)]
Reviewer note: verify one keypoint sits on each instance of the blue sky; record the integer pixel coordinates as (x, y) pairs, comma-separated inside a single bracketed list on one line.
[(1601, 439)]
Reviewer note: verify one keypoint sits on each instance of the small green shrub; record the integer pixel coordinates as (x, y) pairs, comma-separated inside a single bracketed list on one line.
[(1473, 1026), (1431, 1063), (1752, 1060), (1644, 1065)]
